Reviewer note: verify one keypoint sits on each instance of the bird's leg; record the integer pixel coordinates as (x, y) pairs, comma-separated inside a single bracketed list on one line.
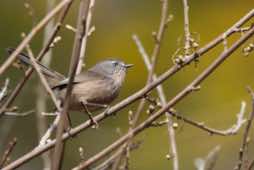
[(84, 103), (97, 105), (105, 106)]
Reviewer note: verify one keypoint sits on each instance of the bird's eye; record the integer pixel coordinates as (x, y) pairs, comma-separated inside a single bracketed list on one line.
[(114, 63)]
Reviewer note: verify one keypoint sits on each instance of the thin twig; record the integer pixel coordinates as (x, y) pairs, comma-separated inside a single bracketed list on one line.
[(108, 162), (7, 152), (85, 37), (41, 97), (44, 139), (18, 114), (251, 165), (81, 28), (139, 94), (3, 91), (42, 78), (201, 125), (158, 37), (187, 34), (171, 132), (245, 134)]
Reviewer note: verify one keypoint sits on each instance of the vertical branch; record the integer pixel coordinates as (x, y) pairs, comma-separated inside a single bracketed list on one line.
[(156, 50), (85, 37), (158, 36), (42, 78), (251, 165), (162, 97), (41, 98), (3, 91), (59, 148), (7, 152), (187, 45), (246, 134), (151, 67)]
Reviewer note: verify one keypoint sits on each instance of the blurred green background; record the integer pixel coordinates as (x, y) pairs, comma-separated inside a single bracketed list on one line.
[(216, 103)]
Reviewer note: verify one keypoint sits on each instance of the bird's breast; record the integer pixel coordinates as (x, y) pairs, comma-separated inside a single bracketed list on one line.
[(97, 92)]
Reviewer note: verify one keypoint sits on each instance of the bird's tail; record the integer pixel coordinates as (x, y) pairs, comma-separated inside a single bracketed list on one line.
[(25, 60)]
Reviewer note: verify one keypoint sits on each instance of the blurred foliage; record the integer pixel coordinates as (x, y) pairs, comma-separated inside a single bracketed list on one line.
[(116, 20)]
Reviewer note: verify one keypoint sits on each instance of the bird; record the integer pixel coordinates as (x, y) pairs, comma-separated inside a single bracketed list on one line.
[(93, 89)]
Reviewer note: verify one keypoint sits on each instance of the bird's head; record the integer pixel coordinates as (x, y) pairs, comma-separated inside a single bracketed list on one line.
[(110, 67), (115, 69)]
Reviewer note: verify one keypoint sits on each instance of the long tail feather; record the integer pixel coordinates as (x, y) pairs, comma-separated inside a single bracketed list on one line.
[(45, 70)]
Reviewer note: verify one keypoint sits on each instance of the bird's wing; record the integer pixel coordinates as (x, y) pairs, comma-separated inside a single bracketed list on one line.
[(82, 77)]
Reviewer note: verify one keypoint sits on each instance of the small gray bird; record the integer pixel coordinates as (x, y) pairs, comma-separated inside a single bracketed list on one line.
[(92, 90)]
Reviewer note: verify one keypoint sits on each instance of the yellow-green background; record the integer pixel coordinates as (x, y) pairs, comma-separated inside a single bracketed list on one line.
[(116, 20)]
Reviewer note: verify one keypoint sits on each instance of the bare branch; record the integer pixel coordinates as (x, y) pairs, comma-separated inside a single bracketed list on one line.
[(41, 97), (81, 31), (19, 114), (3, 91), (108, 162), (251, 165), (163, 101), (7, 152), (42, 78), (187, 34), (154, 57), (45, 138), (201, 125), (85, 37), (246, 134)]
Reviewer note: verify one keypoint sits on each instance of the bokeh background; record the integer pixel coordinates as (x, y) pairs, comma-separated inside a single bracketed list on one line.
[(115, 21)]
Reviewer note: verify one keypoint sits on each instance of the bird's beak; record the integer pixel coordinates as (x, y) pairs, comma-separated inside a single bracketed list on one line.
[(128, 65)]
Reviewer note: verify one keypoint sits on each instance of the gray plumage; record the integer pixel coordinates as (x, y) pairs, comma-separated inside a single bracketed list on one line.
[(99, 85)]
